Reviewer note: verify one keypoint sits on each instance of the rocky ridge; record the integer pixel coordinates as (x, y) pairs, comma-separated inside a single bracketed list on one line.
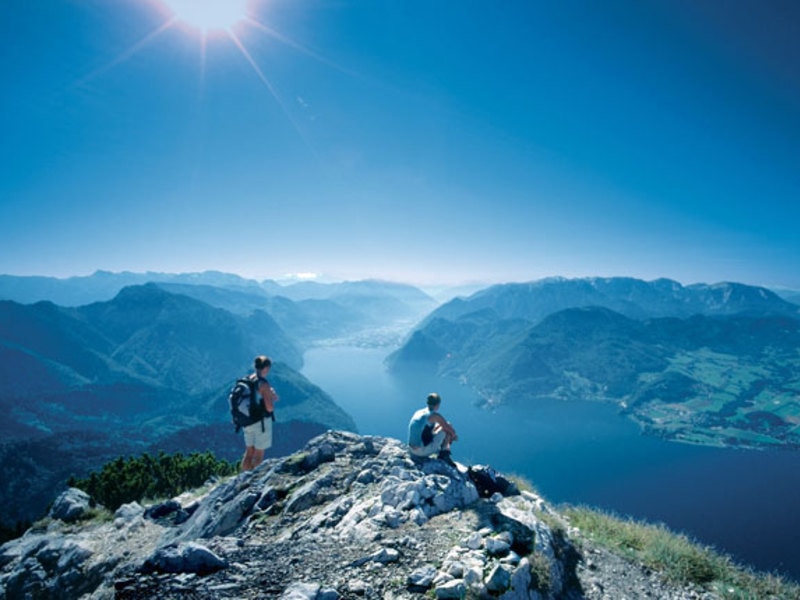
[(348, 517)]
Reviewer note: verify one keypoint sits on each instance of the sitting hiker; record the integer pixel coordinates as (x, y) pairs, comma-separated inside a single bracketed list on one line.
[(429, 433)]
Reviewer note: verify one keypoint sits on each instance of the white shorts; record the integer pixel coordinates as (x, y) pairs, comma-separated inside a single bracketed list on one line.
[(432, 448), (260, 440)]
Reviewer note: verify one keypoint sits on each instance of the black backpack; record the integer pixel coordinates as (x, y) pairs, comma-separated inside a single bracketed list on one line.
[(244, 402)]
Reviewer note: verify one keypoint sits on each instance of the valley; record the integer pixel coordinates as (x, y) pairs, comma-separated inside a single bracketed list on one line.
[(149, 369), (719, 377), (734, 404)]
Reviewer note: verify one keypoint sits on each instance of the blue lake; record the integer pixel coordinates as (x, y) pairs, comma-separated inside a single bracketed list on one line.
[(741, 502)]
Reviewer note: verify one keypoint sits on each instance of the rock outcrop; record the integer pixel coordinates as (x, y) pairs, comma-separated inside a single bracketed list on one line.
[(349, 517)]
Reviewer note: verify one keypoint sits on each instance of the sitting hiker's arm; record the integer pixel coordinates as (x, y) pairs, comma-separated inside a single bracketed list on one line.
[(440, 420)]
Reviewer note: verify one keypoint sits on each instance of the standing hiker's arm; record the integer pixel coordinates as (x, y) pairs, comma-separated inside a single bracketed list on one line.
[(269, 395)]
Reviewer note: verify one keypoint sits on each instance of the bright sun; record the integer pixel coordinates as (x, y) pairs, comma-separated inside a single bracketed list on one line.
[(207, 15)]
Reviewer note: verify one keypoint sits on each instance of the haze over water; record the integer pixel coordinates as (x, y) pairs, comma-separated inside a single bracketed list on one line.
[(741, 502)]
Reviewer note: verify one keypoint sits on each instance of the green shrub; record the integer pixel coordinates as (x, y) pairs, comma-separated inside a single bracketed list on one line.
[(162, 476), (540, 571)]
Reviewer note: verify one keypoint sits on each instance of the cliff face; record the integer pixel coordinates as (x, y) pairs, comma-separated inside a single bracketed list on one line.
[(349, 517)]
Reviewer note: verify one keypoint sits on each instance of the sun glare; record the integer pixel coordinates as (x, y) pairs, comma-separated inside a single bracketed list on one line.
[(208, 15), (215, 16)]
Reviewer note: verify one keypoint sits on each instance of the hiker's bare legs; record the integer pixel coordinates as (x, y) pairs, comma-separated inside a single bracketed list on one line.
[(448, 438), (247, 459), (252, 458)]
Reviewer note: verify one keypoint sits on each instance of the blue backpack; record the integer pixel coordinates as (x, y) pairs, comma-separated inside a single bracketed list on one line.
[(246, 408)]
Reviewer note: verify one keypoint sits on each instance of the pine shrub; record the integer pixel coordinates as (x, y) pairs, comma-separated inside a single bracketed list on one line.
[(132, 479)]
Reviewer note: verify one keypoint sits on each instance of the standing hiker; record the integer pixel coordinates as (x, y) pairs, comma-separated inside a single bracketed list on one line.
[(429, 433), (258, 435)]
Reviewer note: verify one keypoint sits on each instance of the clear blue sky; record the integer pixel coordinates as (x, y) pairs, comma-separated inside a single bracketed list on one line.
[(435, 141)]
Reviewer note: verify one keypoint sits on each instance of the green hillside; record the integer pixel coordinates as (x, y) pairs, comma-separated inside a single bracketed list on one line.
[(146, 370), (727, 380)]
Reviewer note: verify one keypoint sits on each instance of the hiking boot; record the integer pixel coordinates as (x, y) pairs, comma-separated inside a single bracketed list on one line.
[(444, 455)]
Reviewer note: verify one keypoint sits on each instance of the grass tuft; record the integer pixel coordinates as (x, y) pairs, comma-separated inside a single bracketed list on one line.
[(679, 559), (523, 483)]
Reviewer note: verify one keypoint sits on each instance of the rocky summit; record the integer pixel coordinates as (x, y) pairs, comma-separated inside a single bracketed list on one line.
[(348, 517)]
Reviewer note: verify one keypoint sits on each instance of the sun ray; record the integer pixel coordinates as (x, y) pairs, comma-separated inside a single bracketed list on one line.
[(197, 16), (297, 46), (125, 55), (273, 92)]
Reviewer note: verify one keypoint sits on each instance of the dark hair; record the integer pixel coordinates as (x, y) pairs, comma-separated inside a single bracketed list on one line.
[(434, 400), (261, 362)]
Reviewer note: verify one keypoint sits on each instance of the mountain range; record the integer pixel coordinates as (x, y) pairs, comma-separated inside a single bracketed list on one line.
[(82, 385), (120, 363), (715, 364), (307, 310), (631, 297), (150, 367), (104, 285)]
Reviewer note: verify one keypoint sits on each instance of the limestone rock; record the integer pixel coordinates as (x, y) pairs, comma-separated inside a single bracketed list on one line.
[(301, 591), (521, 584), (451, 589), (498, 580), (348, 517), (499, 546), (71, 505), (185, 557), (421, 579)]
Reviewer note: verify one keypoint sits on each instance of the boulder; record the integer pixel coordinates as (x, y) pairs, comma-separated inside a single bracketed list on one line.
[(421, 579), (185, 557), (61, 554), (220, 512), (451, 589), (164, 509), (521, 584), (47, 566), (128, 514), (310, 494), (499, 546), (71, 505), (386, 555), (301, 591), (498, 580)]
